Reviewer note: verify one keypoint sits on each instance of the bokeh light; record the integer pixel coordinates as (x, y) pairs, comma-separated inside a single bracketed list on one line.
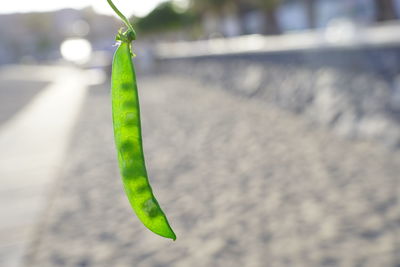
[(76, 50)]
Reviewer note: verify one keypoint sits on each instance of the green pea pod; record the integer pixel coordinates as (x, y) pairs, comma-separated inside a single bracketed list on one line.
[(128, 140)]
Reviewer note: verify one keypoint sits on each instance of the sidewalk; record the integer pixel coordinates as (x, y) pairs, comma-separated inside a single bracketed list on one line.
[(33, 142)]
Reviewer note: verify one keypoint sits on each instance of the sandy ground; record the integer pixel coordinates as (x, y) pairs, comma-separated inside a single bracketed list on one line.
[(243, 184)]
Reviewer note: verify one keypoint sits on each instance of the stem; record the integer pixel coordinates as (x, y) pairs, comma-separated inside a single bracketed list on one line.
[(123, 18)]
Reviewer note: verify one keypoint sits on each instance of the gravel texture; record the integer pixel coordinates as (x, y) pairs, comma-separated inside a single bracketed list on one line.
[(243, 184)]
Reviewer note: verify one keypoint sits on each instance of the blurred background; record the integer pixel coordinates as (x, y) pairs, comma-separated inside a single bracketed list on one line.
[(271, 131)]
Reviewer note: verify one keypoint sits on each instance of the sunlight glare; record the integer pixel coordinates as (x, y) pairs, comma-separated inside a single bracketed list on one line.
[(76, 50), (128, 7)]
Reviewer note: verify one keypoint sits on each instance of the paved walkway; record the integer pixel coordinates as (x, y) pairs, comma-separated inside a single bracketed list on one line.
[(40, 107), (243, 184)]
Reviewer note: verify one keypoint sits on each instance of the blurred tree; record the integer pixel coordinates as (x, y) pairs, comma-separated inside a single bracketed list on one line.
[(220, 9), (242, 7), (270, 8), (165, 17), (310, 13), (203, 6), (385, 10)]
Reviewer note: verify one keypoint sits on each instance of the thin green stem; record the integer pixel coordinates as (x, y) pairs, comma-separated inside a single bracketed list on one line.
[(123, 18)]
